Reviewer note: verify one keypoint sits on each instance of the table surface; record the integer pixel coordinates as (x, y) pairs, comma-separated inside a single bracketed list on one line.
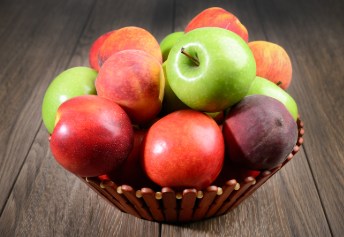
[(40, 38)]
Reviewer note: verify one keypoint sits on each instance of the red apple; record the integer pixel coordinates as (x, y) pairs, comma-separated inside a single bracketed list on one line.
[(129, 38), (273, 62), (94, 50), (92, 136), (184, 149), (218, 17), (134, 80)]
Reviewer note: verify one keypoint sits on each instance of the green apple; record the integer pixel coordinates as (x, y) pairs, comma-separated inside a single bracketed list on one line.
[(209, 69), (263, 86), (167, 43), (171, 102), (68, 84)]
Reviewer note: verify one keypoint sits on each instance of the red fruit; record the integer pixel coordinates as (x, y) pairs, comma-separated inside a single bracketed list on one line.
[(134, 80), (218, 17), (259, 132), (130, 37), (273, 62), (94, 50), (184, 149), (92, 136)]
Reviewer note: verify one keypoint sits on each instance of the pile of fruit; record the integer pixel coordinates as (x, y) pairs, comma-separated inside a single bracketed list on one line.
[(202, 106)]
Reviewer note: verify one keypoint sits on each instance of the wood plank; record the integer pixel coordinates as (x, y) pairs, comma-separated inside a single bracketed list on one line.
[(108, 16), (51, 201), (33, 48), (283, 206), (313, 34), (275, 209), (46, 200)]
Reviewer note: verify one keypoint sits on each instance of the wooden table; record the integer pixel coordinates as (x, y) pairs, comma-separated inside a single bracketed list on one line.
[(41, 38)]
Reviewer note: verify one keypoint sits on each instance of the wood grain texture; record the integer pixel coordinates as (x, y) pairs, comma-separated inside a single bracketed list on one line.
[(32, 50), (49, 200), (41, 38), (313, 34), (154, 16), (283, 206)]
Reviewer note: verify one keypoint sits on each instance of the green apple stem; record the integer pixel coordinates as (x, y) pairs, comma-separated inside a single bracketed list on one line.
[(193, 59)]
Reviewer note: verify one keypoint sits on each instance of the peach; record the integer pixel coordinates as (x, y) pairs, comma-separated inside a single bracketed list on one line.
[(218, 17), (273, 62), (93, 53), (134, 79), (130, 37)]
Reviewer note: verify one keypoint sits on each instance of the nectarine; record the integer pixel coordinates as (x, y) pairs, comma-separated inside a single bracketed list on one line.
[(92, 136)]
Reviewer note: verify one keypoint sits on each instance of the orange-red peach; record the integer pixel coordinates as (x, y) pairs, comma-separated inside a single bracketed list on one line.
[(218, 17), (130, 37), (133, 79), (93, 53), (273, 62)]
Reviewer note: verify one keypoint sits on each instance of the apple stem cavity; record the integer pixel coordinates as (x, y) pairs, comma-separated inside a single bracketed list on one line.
[(193, 59)]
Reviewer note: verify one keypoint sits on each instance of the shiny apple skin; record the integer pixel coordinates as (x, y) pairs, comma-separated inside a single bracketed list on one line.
[(70, 83), (226, 68), (184, 149), (262, 86)]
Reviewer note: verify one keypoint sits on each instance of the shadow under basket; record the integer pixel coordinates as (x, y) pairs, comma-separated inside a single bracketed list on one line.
[(168, 206)]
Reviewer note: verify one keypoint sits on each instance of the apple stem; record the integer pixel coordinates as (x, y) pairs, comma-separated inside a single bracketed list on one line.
[(193, 59), (279, 83)]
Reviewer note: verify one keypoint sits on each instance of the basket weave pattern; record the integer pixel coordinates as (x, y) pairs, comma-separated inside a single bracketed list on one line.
[(190, 205)]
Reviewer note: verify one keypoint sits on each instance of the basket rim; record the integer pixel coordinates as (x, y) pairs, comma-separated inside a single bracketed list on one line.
[(190, 205)]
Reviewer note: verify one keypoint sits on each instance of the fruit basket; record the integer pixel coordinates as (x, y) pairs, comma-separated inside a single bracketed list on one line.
[(169, 206), (178, 131)]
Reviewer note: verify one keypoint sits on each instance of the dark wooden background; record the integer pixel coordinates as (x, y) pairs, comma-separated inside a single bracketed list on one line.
[(41, 38)]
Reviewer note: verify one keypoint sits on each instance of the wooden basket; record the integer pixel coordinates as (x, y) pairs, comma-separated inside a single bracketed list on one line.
[(168, 206)]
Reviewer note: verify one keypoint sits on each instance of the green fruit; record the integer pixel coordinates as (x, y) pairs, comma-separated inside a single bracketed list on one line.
[(168, 42), (70, 83), (171, 102), (263, 86), (214, 71)]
